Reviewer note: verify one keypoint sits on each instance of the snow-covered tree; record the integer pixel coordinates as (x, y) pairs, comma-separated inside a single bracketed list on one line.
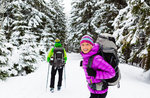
[(103, 17), (81, 17), (91, 17), (148, 2), (4, 55), (132, 32), (59, 20), (30, 27), (28, 54), (19, 25)]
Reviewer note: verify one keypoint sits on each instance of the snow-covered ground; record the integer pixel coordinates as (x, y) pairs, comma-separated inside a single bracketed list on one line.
[(133, 83)]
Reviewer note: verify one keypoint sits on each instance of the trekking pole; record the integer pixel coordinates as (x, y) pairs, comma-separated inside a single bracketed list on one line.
[(64, 76), (47, 76)]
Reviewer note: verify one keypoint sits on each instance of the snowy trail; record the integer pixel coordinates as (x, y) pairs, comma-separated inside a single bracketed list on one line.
[(33, 85)]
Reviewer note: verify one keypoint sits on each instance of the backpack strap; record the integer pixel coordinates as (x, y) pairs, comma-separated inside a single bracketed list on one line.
[(96, 86), (111, 59), (90, 61)]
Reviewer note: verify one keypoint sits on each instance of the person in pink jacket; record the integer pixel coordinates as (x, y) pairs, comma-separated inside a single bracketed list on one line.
[(99, 70)]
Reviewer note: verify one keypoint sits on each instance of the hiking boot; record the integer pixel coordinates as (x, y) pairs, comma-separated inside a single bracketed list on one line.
[(51, 90), (58, 88)]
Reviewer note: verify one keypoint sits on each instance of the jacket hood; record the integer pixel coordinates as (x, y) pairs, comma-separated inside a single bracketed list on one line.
[(58, 45)]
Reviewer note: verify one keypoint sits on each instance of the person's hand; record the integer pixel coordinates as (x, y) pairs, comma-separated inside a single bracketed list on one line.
[(64, 64), (65, 61), (91, 72), (81, 63)]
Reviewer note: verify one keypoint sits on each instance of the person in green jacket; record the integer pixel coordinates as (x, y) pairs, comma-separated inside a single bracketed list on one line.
[(55, 67)]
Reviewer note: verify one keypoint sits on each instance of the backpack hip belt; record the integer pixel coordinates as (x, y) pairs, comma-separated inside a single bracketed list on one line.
[(98, 86)]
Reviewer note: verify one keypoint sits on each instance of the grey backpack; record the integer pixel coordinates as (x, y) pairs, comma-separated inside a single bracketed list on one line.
[(58, 57), (108, 50)]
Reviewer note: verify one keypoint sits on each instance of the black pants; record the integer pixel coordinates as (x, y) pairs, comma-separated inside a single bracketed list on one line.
[(98, 95), (53, 73)]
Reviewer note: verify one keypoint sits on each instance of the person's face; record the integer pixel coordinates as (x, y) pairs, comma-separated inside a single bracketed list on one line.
[(86, 47)]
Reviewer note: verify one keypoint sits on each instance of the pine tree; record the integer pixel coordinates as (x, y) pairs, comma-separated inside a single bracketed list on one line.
[(103, 17), (148, 2), (18, 26), (42, 25), (28, 56), (59, 20), (55, 26), (81, 16), (4, 53), (147, 65), (91, 17), (130, 24), (31, 27)]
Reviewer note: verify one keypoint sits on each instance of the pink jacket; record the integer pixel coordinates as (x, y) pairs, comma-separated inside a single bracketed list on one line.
[(103, 69)]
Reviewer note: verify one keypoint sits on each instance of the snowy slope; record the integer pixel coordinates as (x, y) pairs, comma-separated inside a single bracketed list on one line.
[(133, 84)]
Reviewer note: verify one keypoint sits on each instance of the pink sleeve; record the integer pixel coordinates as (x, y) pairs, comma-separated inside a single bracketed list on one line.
[(103, 69)]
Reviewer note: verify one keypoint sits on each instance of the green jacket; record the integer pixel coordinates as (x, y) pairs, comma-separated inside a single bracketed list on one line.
[(51, 52)]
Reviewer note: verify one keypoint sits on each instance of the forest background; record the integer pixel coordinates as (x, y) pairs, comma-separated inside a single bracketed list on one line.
[(28, 29)]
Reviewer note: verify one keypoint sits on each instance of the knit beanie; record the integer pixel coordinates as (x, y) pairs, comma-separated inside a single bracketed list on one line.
[(57, 40), (87, 39)]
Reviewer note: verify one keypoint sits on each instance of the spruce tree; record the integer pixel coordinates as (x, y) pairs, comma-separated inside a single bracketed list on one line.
[(130, 24), (20, 36), (91, 17), (31, 27), (81, 15), (147, 65), (4, 54), (103, 17), (59, 20)]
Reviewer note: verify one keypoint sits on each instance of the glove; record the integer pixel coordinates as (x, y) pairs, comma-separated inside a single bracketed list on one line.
[(81, 63), (91, 72), (65, 59), (48, 59), (64, 64)]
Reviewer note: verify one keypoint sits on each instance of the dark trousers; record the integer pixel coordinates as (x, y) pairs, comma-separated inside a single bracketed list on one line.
[(98, 95), (53, 73)]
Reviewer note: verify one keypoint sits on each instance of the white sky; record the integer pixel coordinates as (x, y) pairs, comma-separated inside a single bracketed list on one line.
[(67, 5)]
